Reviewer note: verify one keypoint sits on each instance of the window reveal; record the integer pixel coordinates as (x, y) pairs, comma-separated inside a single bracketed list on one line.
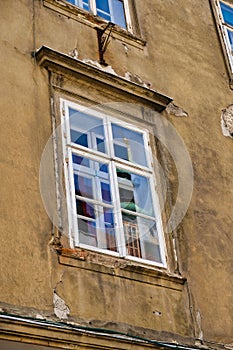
[(112, 187)]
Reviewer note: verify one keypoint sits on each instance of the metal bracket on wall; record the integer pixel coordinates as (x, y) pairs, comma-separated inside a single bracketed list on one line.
[(103, 35)]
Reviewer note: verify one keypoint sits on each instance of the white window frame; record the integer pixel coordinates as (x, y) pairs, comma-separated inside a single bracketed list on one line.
[(93, 9), (113, 162), (224, 27)]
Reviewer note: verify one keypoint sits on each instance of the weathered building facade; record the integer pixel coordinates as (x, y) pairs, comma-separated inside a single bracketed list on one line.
[(116, 189)]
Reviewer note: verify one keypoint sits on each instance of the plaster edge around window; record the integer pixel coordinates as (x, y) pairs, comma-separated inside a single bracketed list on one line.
[(93, 21), (62, 63), (215, 6)]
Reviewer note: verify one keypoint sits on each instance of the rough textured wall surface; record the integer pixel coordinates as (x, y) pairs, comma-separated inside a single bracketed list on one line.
[(182, 58)]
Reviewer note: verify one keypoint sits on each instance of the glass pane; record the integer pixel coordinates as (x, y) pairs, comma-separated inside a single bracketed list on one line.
[(106, 193), (85, 209), (83, 186), (86, 5), (119, 13), (230, 36), (87, 232), (141, 238), (135, 192), (129, 145), (86, 130), (78, 160), (227, 13), (100, 232), (102, 5), (91, 179)]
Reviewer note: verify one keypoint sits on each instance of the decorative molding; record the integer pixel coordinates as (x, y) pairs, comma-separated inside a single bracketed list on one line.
[(63, 64)]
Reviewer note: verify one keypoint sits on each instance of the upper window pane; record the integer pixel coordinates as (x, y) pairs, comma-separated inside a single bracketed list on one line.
[(128, 145), (86, 130), (135, 193)]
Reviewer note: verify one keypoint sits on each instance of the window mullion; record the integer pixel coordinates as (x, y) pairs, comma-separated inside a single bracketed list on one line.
[(118, 216), (127, 16), (93, 6)]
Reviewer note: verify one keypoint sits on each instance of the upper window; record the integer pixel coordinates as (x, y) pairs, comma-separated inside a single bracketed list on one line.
[(113, 206), (226, 17), (115, 11)]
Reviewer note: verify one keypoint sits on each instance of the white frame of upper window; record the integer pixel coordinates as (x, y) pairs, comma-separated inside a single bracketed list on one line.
[(113, 161), (92, 4), (224, 27)]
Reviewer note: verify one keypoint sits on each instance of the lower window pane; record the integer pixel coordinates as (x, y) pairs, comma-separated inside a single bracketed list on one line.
[(87, 232), (97, 229), (141, 238)]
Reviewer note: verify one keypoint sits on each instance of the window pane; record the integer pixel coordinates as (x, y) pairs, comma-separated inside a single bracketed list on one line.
[(91, 179), (78, 160), (230, 36), (80, 3), (85, 209), (141, 238), (87, 232), (128, 145), (106, 193), (102, 5), (102, 8), (227, 13), (83, 186), (135, 192), (119, 13), (86, 130), (99, 232)]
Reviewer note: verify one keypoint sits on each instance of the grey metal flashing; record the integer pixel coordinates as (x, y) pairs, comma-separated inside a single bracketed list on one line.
[(62, 63)]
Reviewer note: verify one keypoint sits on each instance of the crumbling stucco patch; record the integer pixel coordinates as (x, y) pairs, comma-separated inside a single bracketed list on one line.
[(199, 326), (138, 80), (107, 69), (176, 111), (61, 310), (227, 121)]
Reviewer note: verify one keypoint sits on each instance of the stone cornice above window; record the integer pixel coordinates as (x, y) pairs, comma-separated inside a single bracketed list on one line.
[(64, 64)]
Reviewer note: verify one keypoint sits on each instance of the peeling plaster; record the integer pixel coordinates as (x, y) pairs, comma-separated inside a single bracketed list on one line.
[(199, 327), (176, 111), (137, 79), (107, 69), (227, 121), (61, 310)]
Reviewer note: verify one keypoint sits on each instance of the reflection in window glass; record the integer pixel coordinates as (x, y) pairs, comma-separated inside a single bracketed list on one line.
[(134, 191), (227, 13), (83, 186), (128, 145), (141, 237), (86, 130), (119, 13)]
